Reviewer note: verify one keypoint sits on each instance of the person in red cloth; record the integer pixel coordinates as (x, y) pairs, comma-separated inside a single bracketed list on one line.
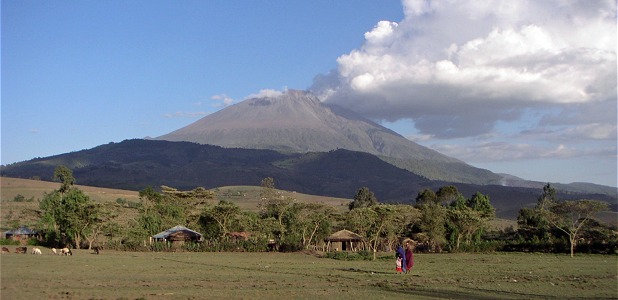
[(409, 257)]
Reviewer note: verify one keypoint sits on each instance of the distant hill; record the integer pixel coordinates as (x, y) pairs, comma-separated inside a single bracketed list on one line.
[(136, 164), (297, 122)]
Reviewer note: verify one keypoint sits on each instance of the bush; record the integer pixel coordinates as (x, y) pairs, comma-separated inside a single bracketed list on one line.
[(9, 242), (344, 255), (21, 198)]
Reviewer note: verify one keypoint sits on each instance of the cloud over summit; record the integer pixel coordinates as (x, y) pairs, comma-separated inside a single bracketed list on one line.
[(457, 68)]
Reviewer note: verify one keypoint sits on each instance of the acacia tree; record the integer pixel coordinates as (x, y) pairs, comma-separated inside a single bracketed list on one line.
[(570, 216), (274, 206), (372, 223), (310, 221)]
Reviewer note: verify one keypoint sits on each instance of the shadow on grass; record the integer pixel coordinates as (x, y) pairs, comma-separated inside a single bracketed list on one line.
[(463, 293)]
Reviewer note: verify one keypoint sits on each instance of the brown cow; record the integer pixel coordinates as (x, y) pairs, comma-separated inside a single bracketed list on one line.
[(23, 250), (5, 250)]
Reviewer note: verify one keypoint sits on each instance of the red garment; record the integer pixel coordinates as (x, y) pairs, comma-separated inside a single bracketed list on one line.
[(409, 259)]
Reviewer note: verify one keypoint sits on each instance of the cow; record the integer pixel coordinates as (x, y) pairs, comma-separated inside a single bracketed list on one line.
[(65, 251), (54, 250), (36, 250), (5, 250), (96, 250), (23, 250)]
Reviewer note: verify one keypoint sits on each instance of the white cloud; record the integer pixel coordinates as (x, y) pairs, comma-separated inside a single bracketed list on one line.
[(458, 67), (265, 93), (222, 100)]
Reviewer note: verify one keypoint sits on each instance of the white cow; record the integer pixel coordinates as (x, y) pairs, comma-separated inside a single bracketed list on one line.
[(36, 250), (66, 251), (54, 250)]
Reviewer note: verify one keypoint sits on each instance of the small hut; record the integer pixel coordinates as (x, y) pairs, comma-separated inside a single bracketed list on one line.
[(343, 240), (178, 235), (21, 234)]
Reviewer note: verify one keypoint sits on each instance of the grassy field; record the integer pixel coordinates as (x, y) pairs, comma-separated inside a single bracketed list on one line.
[(129, 275)]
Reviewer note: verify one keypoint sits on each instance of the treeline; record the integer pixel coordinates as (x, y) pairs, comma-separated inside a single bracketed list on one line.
[(443, 220)]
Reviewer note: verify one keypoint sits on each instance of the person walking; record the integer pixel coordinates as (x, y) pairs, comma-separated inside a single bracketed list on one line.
[(409, 255), (401, 254)]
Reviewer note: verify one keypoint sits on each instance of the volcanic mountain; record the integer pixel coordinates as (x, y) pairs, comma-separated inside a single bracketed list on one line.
[(296, 121)]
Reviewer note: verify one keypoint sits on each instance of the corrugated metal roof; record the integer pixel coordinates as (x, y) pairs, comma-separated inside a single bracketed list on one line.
[(166, 233), (23, 230)]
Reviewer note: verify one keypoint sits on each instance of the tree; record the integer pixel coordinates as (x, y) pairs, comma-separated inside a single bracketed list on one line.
[(570, 216), (268, 189), (448, 194), (311, 221), (432, 222), (480, 203), (372, 223), (223, 214), (67, 213), (532, 222), (468, 217), (548, 197), (274, 206), (426, 196), (64, 175), (465, 222), (363, 198)]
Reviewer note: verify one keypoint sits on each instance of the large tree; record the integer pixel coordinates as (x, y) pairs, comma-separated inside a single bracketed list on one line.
[(570, 216), (67, 213), (310, 222), (468, 218), (372, 223), (432, 222), (363, 198), (223, 214)]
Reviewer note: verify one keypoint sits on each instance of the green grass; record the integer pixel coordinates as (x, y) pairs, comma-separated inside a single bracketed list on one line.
[(136, 275)]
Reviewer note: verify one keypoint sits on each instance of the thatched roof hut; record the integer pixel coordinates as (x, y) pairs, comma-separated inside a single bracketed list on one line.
[(343, 240), (178, 234)]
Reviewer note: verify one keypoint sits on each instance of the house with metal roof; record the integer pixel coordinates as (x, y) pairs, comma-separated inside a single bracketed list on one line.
[(21, 234), (177, 235)]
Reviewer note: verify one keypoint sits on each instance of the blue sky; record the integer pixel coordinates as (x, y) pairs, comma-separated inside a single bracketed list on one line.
[(514, 87)]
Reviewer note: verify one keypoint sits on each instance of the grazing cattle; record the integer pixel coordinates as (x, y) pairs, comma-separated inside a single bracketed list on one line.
[(54, 250), (36, 250), (23, 250), (96, 250), (66, 251), (5, 250)]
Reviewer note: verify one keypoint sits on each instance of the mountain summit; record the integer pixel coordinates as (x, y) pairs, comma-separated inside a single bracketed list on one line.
[(296, 121)]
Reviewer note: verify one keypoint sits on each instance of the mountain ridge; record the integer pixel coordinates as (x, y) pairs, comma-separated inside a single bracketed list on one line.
[(136, 164)]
